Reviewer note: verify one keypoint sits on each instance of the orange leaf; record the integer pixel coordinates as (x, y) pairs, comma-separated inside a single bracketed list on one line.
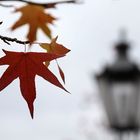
[(26, 66), (36, 18), (54, 47), (58, 49)]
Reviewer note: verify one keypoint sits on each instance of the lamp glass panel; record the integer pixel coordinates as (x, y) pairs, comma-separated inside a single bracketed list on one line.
[(124, 96)]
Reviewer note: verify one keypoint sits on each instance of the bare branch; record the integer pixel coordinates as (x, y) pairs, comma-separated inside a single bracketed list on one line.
[(8, 39), (45, 5)]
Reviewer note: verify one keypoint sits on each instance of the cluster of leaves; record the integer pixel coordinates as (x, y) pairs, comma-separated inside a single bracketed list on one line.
[(26, 65)]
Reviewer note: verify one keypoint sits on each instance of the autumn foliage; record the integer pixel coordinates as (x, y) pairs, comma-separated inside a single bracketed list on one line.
[(36, 18), (26, 65)]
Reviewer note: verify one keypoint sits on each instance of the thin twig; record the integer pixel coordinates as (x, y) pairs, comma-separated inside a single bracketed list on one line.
[(45, 5), (6, 6), (8, 39)]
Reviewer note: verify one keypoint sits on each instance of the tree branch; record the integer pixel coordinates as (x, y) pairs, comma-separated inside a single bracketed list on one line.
[(45, 5), (6, 6), (8, 39)]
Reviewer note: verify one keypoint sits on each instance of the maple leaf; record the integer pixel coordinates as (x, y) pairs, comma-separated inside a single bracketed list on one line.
[(58, 49), (36, 18), (61, 72), (54, 47), (26, 66)]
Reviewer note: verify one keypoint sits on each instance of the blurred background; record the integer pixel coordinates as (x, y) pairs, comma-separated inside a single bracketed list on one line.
[(90, 30)]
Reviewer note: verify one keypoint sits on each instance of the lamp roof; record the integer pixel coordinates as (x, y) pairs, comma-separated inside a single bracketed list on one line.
[(122, 69)]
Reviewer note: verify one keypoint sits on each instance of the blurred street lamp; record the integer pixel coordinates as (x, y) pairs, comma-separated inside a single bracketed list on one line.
[(119, 85)]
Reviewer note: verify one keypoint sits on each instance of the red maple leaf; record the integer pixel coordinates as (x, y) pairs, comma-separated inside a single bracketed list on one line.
[(26, 66)]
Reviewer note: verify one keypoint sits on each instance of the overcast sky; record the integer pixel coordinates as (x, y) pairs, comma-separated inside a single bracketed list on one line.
[(89, 30)]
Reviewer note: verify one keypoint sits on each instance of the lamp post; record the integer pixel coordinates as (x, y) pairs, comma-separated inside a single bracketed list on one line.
[(119, 85)]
